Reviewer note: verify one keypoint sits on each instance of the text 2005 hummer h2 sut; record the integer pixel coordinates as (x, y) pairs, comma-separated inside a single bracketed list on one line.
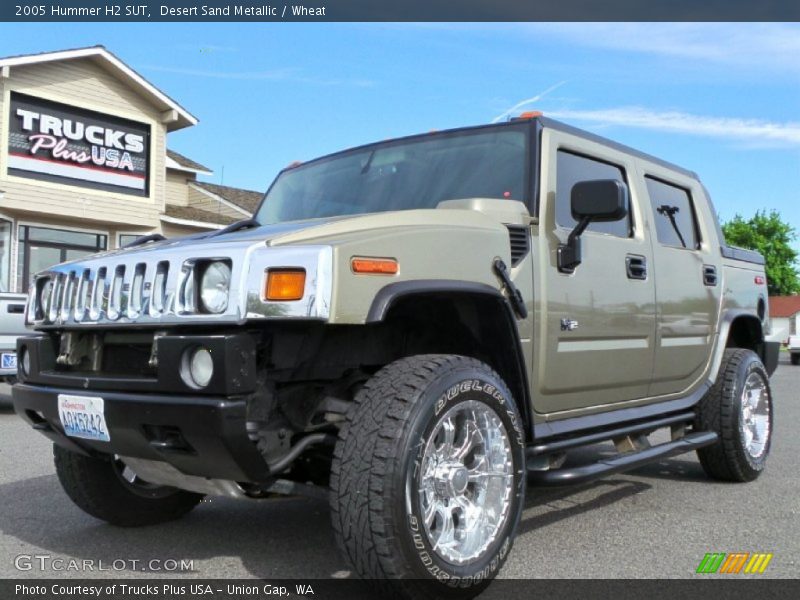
[(416, 329)]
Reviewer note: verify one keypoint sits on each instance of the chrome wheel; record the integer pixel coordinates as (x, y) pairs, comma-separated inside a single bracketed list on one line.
[(465, 482), (755, 417)]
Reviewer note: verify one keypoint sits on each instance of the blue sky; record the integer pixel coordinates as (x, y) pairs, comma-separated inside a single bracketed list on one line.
[(721, 99)]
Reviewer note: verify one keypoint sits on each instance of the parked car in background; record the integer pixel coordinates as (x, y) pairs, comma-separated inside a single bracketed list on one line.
[(12, 325), (793, 346)]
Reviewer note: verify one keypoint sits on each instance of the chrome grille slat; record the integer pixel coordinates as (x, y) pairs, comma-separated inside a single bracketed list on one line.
[(55, 295), (116, 293), (158, 289), (136, 291), (98, 291), (81, 290), (67, 297)]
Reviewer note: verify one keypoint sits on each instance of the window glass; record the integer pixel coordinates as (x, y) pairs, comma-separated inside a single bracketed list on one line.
[(5, 255), (60, 236), (572, 168), (673, 213), (40, 248), (402, 175), (126, 238)]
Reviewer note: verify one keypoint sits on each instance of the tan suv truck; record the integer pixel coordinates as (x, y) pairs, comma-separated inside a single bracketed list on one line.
[(415, 329)]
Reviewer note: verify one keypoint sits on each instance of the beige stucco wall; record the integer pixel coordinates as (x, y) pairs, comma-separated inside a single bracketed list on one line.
[(83, 84), (177, 188), (171, 230)]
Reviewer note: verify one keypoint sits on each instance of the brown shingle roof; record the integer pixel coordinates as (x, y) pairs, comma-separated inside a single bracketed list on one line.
[(783, 306), (196, 214), (186, 162), (246, 199)]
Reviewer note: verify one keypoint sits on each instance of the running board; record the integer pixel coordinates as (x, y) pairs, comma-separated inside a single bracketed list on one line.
[(623, 462)]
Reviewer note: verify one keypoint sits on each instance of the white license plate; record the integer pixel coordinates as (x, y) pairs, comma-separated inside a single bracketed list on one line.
[(83, 417), (8, 360)]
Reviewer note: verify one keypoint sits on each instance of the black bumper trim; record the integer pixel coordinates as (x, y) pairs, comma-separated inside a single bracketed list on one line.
[(212, 430), (234, 357)]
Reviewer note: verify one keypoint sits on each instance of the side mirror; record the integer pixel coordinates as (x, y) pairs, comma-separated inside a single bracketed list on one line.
[(596, 200)]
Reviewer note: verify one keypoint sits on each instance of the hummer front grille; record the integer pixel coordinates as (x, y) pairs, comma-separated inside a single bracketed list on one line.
[(160, 286), (108, 292)]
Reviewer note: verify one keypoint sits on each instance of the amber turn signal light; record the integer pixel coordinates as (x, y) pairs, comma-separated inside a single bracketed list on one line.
[(285, 284), (375, 266)]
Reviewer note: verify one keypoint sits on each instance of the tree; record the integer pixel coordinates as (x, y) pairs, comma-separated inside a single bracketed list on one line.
[(768, 234)]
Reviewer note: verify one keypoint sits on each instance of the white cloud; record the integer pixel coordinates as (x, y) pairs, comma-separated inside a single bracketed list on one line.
[(527, 102), (754, 132)]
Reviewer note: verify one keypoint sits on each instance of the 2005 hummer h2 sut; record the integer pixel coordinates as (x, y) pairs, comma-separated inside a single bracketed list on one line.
[(415, 329)]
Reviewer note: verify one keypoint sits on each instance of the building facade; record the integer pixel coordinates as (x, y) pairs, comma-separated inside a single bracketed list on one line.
[(784, 316), (84, 163)]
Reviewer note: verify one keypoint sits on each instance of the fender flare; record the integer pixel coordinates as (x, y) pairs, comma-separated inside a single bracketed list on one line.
[(390, 294), (727, 319)]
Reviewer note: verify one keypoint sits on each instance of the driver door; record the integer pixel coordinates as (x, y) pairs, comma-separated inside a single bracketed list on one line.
[(596, 324)]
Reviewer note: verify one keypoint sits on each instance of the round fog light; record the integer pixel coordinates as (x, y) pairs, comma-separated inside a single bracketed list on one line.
[(198, 367), (25, 362)]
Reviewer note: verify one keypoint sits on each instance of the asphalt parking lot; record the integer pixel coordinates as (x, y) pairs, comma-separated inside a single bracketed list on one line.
[(655, 522)]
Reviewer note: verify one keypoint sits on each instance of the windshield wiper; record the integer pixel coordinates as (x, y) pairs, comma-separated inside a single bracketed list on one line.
[(237, 226), (669, 212), (368, 164)]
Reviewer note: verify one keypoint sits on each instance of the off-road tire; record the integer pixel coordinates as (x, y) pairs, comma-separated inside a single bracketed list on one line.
[(379, 443), (96, 488), (719, 411), (795, 358)]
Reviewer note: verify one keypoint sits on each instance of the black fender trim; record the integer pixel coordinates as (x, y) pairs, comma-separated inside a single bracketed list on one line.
[(393, 292), (727, 318), (771, 354)]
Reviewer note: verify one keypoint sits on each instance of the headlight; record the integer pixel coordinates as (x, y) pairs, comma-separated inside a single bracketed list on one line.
[(45, 291), (214, 287), (197, 367)]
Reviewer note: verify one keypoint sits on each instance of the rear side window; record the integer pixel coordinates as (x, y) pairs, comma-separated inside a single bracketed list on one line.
[(572, 168), (673, 211)]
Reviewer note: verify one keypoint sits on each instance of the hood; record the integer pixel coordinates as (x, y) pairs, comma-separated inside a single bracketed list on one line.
[(263, 233)]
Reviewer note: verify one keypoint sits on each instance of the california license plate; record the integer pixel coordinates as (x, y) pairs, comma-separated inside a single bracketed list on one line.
[(83, 417), (8, 360)]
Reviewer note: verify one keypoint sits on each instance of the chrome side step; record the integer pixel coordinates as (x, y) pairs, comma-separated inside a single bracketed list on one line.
[(622, 462)]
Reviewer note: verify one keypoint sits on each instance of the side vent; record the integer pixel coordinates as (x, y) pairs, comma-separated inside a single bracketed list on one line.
[(520, 239)]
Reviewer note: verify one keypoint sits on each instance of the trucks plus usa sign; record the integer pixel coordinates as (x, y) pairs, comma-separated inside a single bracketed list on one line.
[(61, 143)]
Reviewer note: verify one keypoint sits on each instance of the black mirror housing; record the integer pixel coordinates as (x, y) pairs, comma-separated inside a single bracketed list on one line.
[(599, 200), (595, 200)]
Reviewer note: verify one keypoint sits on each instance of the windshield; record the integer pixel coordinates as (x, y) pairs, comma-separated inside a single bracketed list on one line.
[(402, 175)]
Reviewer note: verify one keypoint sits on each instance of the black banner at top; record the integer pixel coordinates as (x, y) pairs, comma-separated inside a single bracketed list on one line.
[(397, 10)]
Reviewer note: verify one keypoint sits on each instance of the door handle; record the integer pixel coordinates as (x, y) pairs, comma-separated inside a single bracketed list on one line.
[(710, 275), (636, 266)]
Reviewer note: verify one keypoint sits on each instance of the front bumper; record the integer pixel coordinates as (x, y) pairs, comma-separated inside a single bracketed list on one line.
[(199, 435)]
